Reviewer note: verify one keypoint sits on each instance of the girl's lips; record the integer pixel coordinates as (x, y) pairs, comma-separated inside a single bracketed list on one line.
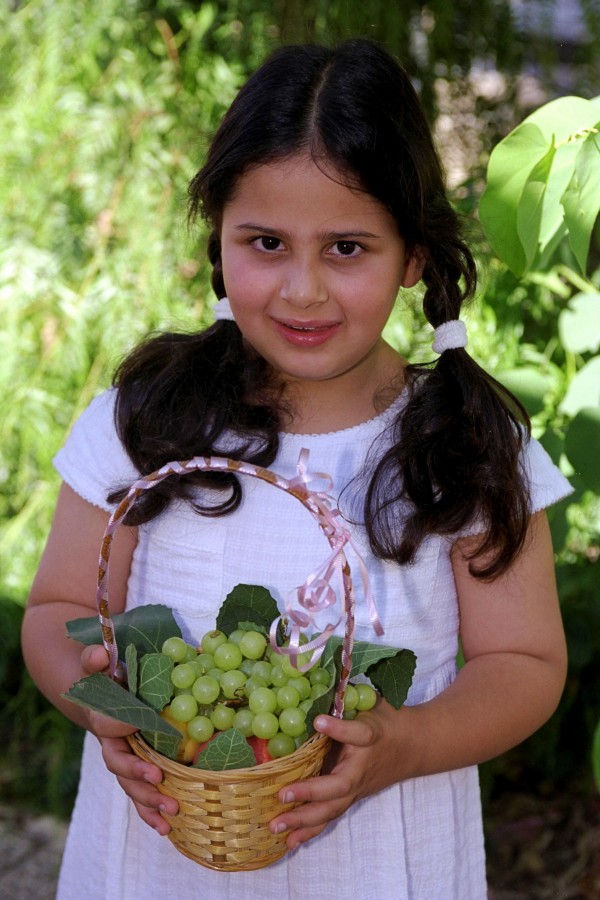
[(306, 334)]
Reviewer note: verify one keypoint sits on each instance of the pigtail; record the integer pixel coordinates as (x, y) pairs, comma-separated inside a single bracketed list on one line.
[(455, 458)]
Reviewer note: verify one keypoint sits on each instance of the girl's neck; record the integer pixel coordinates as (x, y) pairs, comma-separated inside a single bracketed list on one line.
[(322, 407)]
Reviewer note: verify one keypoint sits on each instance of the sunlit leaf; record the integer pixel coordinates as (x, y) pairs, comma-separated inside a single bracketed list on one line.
[(529, 385), (581, 199), (583, 390), (579, 324)]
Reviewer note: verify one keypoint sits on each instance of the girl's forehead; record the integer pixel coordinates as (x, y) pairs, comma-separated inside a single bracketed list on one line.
[(301, 186)]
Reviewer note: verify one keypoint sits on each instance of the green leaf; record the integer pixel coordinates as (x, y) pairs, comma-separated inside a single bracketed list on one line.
[(530, 208), (154, 683), (393, 676), (581, 199), (529, 385), (582, 447), (247, 603), (510, 164), (579, 325), (583, 390), (101, 693), (167, 744), (131, 662), (145, 626), (389, 668), (228, 750)]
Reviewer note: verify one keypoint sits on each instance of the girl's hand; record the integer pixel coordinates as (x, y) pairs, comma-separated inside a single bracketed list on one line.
[(363, 761), (138, 779)]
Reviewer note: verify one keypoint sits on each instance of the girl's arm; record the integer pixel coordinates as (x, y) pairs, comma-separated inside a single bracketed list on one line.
[(515, 666), (65, 588)]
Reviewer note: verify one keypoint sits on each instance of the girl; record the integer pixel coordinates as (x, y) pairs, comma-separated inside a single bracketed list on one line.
[(325, 197)]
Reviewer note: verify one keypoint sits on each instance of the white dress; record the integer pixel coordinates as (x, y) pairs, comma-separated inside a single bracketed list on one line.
[(421, 839)]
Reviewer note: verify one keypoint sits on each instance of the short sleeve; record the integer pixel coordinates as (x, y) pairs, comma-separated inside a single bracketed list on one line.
[(93, 460), (547, 484)]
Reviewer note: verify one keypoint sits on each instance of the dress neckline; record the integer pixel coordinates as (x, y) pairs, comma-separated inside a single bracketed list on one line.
[(378, 418)]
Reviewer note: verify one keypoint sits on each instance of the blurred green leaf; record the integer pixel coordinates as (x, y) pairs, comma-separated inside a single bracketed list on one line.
[(579, 324), (529, 385), (582, 446), (583, 390)]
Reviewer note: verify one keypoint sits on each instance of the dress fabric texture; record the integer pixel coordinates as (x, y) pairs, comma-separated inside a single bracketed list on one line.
[(421, 839)]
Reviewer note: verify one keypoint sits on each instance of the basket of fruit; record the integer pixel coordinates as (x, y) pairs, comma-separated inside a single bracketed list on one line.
[(229, 720)]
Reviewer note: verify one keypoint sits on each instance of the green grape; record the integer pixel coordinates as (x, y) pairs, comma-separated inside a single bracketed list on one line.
[(253, 683), (265, 725), (227, 656), (350, 697), (287, 697), (212, 640), (183, 707), (319, 676), (262, 669), (215, 673), (236, 636), (204, 662), (232, 682), (183, 675), (367, 697), (302, 685), (350, 713), (278, 676), (247, 666), (290, 669), (191, 653), (317, 690), (281, 745), (200, 729), (262, 699), (301, 739), (222, 717), (243, 721), (253, 645), (175, 648), (292, 721), (206, 689)]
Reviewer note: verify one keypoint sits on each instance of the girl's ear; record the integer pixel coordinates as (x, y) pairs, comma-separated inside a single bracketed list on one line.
[(413, 266)]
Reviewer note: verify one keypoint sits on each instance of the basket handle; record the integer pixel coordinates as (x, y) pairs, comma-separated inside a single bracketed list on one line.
[(321, 506)]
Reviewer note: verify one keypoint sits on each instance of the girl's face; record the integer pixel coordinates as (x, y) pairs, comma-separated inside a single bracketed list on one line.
[(312, 269)]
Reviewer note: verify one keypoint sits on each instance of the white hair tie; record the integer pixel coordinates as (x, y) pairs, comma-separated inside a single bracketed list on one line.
[(222, 310), (450, 336)]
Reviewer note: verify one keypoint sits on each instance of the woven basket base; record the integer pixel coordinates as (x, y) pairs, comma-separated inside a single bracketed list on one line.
[(223, 819)]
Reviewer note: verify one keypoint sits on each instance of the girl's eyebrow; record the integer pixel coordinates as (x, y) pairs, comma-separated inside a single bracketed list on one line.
[(323, 235)]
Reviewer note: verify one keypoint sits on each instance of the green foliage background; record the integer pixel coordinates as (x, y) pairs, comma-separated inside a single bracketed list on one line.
[(105, 111)]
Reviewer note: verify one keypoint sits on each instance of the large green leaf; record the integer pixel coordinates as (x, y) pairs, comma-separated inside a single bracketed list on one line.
[(154, 680), (581, 199), (147, 627), (167, 744), (247, 603), (101, 693), (131, 664), (582, 447), (228, 750), (579, 325), (583, 390), (509, 167), (530, 208)]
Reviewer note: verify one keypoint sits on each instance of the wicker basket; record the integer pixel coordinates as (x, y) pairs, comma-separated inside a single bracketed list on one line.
[(223, 819)]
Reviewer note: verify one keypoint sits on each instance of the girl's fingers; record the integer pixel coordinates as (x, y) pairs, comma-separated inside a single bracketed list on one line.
[(358, 732), (138, 779), (94, 659)]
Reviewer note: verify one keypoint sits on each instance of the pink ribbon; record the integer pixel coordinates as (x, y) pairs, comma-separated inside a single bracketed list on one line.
[(317, 593)]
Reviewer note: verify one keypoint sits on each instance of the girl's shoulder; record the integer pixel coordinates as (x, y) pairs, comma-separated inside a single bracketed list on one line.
[(93, 460)]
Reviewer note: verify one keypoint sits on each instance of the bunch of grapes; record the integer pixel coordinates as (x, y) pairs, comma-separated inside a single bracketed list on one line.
[(239, 681)]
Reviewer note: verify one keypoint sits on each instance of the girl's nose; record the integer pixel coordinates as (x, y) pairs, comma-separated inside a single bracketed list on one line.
[(302, 285)]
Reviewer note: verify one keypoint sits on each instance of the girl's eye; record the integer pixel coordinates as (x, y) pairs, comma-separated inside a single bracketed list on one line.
[(347, 248), (267, 243)]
